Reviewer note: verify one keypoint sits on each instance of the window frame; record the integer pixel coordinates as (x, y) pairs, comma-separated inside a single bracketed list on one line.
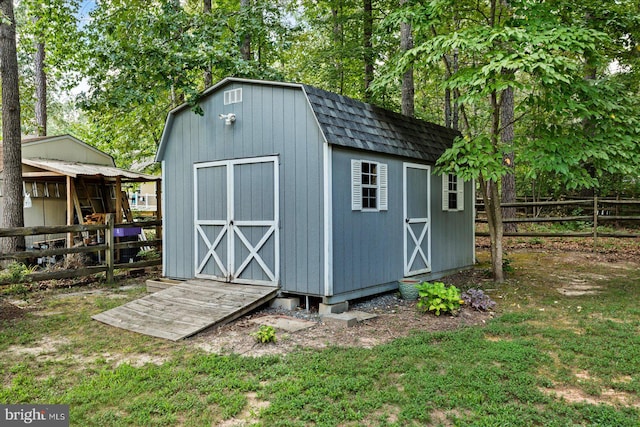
[(447, 191), (358, 187)]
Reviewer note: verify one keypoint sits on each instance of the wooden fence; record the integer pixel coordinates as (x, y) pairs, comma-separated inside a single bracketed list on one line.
[(594, 211), (106, 250)]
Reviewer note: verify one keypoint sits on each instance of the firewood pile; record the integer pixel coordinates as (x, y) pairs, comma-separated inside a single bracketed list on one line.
[(96, 218)]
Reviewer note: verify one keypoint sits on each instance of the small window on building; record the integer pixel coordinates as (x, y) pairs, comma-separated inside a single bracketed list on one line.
[(368, 186), (452, 193), (233, 96)]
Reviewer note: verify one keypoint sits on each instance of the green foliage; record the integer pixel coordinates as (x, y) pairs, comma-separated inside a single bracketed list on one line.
[(149, 254), (15, 272), (506, 265), (589, 130), (161, 50), (265, 334), (438, 297), (55, 24)]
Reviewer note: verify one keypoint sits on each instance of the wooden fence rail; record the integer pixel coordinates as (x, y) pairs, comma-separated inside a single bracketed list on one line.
[(109, 248), (600, 213)]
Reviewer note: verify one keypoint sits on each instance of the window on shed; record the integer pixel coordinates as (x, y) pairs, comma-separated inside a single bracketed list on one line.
[(452, 193), (368, 186)]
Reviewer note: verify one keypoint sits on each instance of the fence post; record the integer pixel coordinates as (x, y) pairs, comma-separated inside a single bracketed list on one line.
[(595, 222), (109, 258)]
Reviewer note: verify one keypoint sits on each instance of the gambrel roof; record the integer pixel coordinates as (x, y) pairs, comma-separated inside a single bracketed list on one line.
[(349, 123), (355, 124)]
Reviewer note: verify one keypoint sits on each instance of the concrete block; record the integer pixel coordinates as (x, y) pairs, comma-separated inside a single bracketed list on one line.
[(347, 319), (340, 319), (340, 307), (285, 303)]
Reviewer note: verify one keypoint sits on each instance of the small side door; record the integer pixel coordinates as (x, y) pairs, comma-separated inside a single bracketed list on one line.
[(417, 218)]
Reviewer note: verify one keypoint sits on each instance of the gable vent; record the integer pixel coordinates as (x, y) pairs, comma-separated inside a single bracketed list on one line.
[(233, 96)]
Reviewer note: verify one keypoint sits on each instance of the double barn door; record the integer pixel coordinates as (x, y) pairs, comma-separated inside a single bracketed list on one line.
[(237, 220)]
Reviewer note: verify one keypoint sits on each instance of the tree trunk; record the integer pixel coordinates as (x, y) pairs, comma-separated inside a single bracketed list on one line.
[(491, 199), (208, 77), (338, 40), (491, 196), (245, 47), (506, 136), (455, 117), (12, 212), (368, 48), (41, 90), (451, 107), (408, 88)]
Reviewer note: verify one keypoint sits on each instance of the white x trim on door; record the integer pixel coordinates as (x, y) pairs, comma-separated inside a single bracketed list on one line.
[(253, 250), (211, 247), (418, 242)]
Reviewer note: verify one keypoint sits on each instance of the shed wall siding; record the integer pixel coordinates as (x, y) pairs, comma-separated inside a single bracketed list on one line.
[(269, 121), (452, 238), (368, 246)]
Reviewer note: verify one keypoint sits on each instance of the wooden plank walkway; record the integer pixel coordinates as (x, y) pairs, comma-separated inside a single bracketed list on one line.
[(187, 308)]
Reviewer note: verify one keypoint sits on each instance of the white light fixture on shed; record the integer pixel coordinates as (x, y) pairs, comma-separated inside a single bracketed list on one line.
[(229, 119)]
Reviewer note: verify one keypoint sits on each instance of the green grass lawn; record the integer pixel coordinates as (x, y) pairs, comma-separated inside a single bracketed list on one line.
[(549, 358)]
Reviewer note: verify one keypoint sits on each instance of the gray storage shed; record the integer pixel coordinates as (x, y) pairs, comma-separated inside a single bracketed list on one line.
[(289, 185)]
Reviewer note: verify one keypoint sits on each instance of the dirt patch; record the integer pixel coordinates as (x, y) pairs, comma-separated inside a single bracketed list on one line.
[(10, 311), (50, 349), (136, 360), (607, 397), (47, 348), (249, 416), (395, 322), (395, 318), (607, 250)]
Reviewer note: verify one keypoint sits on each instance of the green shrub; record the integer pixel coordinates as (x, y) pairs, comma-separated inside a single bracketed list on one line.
[(265, 334), (15, 273), (149, 254), (506, 265), (438, 297)]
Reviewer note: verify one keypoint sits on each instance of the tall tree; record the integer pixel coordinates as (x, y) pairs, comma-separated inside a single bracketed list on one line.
[(208, 77), (340, 44), (12, 210), (245, 46), (508, 195), (507, 49), (367, 42), (48, 54), (408, 88), (144, 56), (41, 86)]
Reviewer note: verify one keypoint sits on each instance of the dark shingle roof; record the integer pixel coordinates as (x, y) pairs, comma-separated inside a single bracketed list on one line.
[(354, 124)]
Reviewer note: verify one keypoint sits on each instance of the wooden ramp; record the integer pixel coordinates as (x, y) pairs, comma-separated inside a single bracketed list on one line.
[(187, 308)]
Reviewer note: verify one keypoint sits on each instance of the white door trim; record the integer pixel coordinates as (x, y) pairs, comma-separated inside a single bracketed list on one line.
[(327, 218), (425, 231)]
